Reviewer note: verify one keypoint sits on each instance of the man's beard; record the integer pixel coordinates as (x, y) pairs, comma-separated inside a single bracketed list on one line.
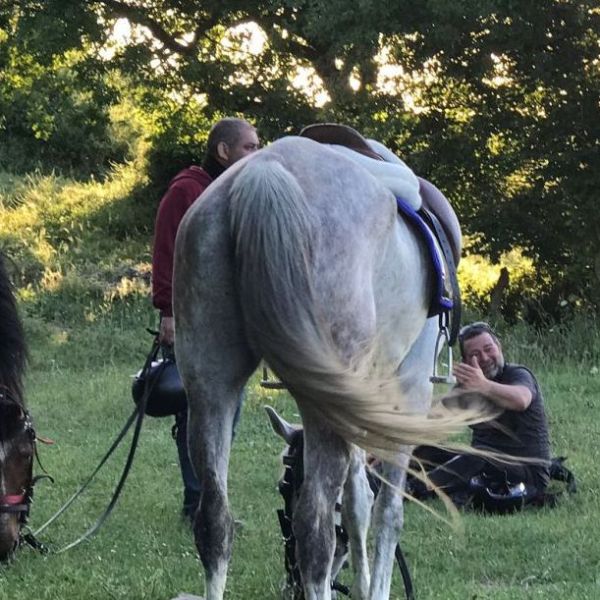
[(494, 369)]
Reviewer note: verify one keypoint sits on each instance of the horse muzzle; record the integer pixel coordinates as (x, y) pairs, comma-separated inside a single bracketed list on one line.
[(13, 507)]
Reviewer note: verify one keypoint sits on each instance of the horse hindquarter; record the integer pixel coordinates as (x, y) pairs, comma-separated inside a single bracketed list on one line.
[(215, 362), (291, 255)]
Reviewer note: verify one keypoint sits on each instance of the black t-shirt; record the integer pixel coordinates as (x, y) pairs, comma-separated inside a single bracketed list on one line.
[(518, 433)]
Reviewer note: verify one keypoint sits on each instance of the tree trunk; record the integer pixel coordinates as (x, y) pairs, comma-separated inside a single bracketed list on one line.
[(498, 292)]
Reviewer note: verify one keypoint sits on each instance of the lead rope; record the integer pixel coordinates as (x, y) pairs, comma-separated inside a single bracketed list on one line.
[(137, 417)]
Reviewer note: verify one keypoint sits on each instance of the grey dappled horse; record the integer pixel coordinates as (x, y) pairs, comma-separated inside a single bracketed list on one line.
[(296, 255)]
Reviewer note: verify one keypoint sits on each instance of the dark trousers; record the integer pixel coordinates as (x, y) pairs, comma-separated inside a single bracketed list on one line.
[(453, 471), (191, 485)]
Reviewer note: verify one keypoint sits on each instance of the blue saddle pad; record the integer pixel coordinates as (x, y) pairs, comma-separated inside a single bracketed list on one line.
[(440, 302)]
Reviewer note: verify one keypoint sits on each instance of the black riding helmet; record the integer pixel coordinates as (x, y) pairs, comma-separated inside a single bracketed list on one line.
[(500, 497), (162, 384)]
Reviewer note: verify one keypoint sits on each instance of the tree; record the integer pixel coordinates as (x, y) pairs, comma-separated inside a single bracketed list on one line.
[(54, 103), (494, 100)]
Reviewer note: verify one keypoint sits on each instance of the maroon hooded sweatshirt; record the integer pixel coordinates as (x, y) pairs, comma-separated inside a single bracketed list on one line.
[(183, 190)]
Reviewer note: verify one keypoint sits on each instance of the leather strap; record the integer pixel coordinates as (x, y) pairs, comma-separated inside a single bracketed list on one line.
[(442, 238)]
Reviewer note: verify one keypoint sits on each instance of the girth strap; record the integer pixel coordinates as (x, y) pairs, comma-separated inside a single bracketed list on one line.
[(440, 302)]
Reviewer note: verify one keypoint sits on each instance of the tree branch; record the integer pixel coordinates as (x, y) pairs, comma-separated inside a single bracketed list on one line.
[(290, 44), (140, 16)]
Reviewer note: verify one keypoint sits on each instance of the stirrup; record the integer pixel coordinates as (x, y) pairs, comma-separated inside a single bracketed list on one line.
[(443, 339), (268, 382)]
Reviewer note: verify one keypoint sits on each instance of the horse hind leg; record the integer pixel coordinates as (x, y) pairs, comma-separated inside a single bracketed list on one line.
[(213, 522), (356, 511), (389, 509), (215, 360), (326, 459), (387, 520), (215, 367), (215, 392)]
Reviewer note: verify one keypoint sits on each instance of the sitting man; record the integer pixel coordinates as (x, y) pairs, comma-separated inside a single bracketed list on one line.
[(521, 430)]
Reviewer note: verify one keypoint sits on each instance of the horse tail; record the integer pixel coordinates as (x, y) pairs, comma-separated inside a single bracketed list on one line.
[(13, 351), (276, 231)]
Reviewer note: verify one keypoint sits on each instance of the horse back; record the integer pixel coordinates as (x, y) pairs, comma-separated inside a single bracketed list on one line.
[(361, 254)]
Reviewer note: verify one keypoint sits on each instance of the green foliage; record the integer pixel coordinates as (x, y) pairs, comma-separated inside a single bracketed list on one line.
[(478, 276), (53, 119), (77, 250), (56, 92), (178, 142), (516, 158), (495, 101)]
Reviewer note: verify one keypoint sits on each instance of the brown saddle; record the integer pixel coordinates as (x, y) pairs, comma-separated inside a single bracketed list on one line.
[(342, 135), (433, 200)]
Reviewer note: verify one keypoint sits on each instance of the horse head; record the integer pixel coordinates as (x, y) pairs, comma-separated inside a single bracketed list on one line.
[(17, 451), (293, 435), (289, 487)]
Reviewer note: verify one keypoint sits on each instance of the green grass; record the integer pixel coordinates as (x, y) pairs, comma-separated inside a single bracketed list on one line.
[(80, 256), (79, 393)]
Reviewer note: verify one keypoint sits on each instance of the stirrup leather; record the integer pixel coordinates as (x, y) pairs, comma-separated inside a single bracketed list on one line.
[(269, 382)]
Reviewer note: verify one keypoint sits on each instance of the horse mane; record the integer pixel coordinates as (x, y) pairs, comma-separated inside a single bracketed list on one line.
[(12, 417), (13, 349)]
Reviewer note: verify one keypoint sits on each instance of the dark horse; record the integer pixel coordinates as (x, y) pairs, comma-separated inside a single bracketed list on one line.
[(16, 433)]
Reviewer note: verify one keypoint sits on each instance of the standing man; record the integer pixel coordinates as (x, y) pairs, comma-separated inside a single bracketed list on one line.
[(229, 140), (521, 430)]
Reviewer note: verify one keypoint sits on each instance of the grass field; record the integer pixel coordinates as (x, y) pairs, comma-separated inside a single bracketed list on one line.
[(79, 393), (79, 253)]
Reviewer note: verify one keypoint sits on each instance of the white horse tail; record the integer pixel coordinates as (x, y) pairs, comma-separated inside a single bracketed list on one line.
[(276, 232)]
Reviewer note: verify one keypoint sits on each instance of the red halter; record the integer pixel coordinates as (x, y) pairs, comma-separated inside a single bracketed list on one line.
[(12, 499)]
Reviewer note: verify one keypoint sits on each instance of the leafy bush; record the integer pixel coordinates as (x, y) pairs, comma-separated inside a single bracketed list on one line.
[(177, 141), (478, 276), (75, 250), (49, 125)]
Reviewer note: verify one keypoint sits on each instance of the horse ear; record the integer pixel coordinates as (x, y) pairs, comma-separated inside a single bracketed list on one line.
[(280, 426)]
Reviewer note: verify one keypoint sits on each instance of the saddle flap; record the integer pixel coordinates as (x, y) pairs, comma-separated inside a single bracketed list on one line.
[(435, 202)]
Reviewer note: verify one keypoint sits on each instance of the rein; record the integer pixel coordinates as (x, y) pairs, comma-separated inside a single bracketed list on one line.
[(94, 528), (136, 417)]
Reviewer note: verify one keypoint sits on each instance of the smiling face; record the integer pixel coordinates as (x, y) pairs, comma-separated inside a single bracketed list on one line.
[(488, 353)]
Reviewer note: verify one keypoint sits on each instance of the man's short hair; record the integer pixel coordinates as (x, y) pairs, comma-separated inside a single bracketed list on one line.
[(473, 330), (226, 130)]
